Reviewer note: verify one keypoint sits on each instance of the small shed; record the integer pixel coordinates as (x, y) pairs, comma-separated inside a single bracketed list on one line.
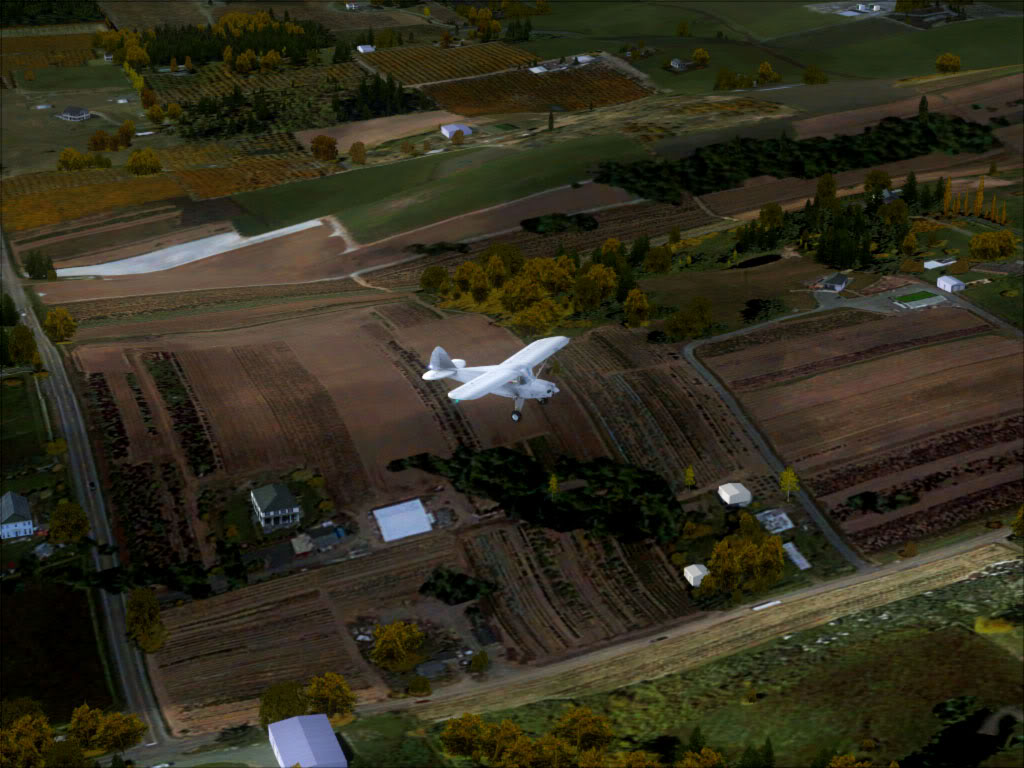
[(939, 263), (306, 740), (891, 194), (796, 556), (584, 59), (401, 520), (108, 57), (449, 130), (302, 545), (861, 7), (949, 284), (694, 574), (774, 521), (836, 282), (351, 6), (365, 48), (735, 494), (876, 7), (677, 64), (538, 70)]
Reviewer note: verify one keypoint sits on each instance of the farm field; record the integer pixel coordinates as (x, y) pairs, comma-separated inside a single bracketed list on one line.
[(22, 428), (520, 91), (143, 14), (334, 17), (379, 129), (807, 391), (799, 680), (50, 649), (415, 65), (222, 652), (34, 52), (215, 80)]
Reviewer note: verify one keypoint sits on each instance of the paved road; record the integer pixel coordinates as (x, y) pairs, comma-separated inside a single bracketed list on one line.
[(128, 662)]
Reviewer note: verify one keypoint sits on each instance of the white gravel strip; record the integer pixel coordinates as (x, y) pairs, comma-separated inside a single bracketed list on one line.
[(183, 253)]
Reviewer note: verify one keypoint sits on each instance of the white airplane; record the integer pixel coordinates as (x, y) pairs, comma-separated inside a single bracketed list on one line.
[(512, 378)]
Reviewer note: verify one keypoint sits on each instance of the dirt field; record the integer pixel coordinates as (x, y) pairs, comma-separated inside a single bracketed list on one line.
[(380, 129), (314, 254)]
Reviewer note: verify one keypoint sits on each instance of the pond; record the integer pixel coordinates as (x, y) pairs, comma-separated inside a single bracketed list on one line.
[(757, 261)]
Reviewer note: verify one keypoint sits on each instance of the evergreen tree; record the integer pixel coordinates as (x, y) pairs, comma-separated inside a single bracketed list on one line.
[(767, 754), (697, 741), (922, 108), (910, 192)]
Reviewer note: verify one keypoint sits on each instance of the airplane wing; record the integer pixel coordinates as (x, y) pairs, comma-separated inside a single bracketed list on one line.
[(536, 352), (484, 384)]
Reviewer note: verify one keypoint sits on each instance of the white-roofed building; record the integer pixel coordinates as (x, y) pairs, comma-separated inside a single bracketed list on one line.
[(584, 59), (938, 263), (401, 520), (796, 556), (735, 494), (774, 521), (75, 114), (695, 574), (450, 129), (538, 70), (949, 284), (307, 740), (365, 48)]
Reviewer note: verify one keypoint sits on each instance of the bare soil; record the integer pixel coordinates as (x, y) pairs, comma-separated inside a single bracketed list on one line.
[(380, 129)]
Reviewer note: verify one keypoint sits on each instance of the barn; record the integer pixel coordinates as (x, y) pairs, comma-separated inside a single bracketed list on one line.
[(450, 129), (402, 520), (365, 48), (735, 494), (695, 574), (306, 740), (950, 284)]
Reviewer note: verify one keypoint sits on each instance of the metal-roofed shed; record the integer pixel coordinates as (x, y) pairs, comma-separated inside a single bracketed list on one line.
[(402, 520)]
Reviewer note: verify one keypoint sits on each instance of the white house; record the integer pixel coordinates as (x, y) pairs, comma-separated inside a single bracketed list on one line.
[(876, 7), (108, 57), (365, 48), (306, 740), (401, 520), (837, 283), (939, 263), (15, 516), (450, 129), (695, 574), (949, 284), (75, 114), (274, 507), (735, 494)]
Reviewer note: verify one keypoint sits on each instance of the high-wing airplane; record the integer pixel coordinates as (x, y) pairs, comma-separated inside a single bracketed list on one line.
[(512, 378)]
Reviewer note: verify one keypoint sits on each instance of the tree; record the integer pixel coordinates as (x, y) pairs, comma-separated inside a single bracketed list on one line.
[(479, 286), (992, 246), (433, 278), (125, 133), (922, 109), (788, 481), (330, 694), (59, 324), (910, 192), (848, 761), (174, 64), (270, 61), (188, 64), (8, 311), (118, 731), (281, 701), (637, 309), (396, 644), (247, 62), (814, 75), (70, 159), (143, 162), (85, 725), (658, 260), (947, 197), (463, 736), (174, 111), (457, 138), (909, 245), (537, 318), (142, 620), (465, 272), (765, 73), (700, 57), (136, 57), (909, 549), (148, 97), (947, 63), (14, 709), (689, 479), (1018, 523), (357, 152), (228, 56), (767, 754), (551, 119), (324, 148), (594, 286), (495, 271), (697, 741), (825, 195), (993, 214), (68, 523), (24, 742), (706, 758), (21, 345), (98, 141), (446, 39), (771, 216), (519, 292), (979, 197), (683, 29), (480, 662), (584, 729), (875, 183)]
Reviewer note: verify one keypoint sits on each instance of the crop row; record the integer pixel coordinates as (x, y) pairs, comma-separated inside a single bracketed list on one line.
[(250, 173), (416, 64), (838, 361), (173, 482), (794, 329), (522, 91), (137, 496), (107, 416), (216, 80), (940, 517), (195, 441), (48, 181), (141, 402), (938, 447)]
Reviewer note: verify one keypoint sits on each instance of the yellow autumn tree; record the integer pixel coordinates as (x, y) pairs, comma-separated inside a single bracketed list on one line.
[(396, 644), (142, 620), (143, 162), (174, 111), (68, 523), (636, 308), (979, 197), (947, 198), (947, 63), (700, 57), (538, 318), (330, 694)]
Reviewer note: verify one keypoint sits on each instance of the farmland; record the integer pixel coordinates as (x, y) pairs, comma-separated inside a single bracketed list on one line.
[(805, 384), (143, 14), (39, 51), (222, 652), (415, 65), (520, 91)]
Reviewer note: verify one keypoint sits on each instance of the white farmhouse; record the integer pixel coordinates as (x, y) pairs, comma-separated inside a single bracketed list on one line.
[(15, 516), (735, 494), (450, 129), (75, 114), (401, 520), (306, 740), (949, 284), (695, 574), (274, 507), (365, 48)]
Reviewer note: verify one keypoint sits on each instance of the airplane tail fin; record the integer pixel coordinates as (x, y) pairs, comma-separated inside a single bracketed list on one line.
[(440, 361)]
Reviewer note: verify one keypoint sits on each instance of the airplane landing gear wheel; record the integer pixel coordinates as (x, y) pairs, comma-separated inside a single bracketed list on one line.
[(516, 416)]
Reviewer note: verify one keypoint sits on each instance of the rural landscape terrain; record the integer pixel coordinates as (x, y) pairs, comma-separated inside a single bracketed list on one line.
[(784, 242)]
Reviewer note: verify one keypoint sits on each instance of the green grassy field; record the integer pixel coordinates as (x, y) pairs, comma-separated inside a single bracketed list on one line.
[(74, 79), (736, 56), (22, 430), (386, 740), (1010, 308), (377, 202), (50, 651)]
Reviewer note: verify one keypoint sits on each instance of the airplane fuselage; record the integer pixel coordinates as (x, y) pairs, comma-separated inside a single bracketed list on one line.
[(523, 387)]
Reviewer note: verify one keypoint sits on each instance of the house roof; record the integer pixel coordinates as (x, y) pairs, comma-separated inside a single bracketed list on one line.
[(734, 490), (401, 520), (274, 498), (695, 570), (302, 544), (14, 508), (837, 279), (76, 111), (453, 127), (307, 740)]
